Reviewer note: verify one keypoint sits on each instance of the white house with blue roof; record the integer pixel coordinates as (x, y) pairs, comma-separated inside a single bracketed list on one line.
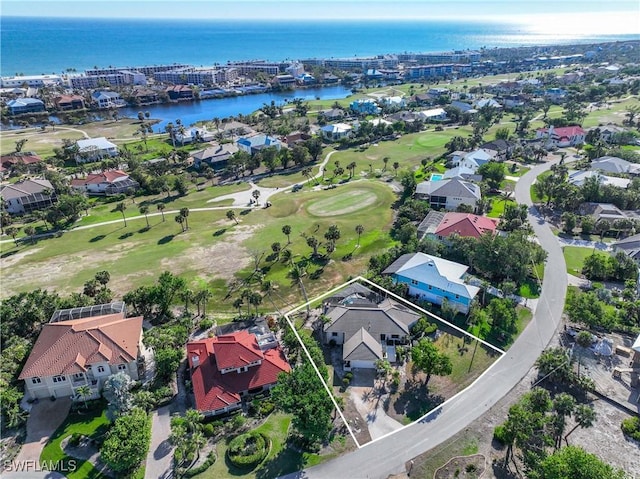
[(253, 144), (434, 279)]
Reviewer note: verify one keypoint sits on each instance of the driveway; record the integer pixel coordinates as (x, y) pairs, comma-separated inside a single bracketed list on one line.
[(160, 452), (369, 402)]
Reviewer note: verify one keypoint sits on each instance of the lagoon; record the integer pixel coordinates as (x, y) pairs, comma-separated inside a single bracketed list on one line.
[(203, 110)]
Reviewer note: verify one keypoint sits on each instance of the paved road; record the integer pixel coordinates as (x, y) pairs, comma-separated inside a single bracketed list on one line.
[(388, 455), (160, 453)]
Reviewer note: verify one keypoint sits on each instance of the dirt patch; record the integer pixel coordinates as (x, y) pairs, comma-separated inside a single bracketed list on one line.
[(220, 260), (356, 423), (15, 257), (463, 467)]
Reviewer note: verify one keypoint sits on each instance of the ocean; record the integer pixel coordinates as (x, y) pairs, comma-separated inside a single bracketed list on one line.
[(52, 45)]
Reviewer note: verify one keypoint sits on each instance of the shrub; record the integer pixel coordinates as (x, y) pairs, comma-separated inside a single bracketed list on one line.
[(266, 407), (631, 427), (349, 375), (345, 383), (211, 459), (248, 450), (208, 430), (238, 421), (75, 438), (499, 434), (206, 323)]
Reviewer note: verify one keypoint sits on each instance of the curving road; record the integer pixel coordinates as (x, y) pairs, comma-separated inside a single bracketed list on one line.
[(389, 454)]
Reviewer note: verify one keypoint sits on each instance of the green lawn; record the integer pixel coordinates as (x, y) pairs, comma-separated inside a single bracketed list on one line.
[(467, 361), (91, 423), (498, 206), (575, 256), (281, 459)]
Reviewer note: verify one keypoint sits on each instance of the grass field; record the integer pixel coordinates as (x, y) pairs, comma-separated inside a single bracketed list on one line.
[(575, 256), (92, 423)]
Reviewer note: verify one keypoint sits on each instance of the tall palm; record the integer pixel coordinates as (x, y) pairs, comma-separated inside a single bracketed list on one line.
[(231, 215), (144, 210), (180, 219), (296, 273), (359, 231), (161, 207), (184, 212), (585, 417), (286, 230), (13, 232), (256, 195), (84, 391), (121, 207), (396, 165), (385, 160)]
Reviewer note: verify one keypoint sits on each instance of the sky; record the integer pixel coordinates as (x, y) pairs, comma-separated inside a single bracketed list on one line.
[(547, 17)]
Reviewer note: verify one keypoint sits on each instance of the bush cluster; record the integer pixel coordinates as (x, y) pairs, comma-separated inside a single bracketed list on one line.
[(211, 459), (248, 450), (631, 428)]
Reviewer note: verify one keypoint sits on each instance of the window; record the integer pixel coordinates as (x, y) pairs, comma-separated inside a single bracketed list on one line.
[(122, 367), (414, 281), (59, 379), (334, 334), (429, 286), (36, 380), (457, 296), (100, 369), (395, 336)]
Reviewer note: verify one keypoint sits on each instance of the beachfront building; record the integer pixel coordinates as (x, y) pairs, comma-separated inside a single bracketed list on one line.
[(25, 105)]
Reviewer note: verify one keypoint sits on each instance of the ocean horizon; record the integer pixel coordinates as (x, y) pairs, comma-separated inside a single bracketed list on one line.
[(32, 45)]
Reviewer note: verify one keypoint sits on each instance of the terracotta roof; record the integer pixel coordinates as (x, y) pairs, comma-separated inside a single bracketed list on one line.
[(567, 131), (212, 389), (24, 159), (465, 224), (108, 176), (68, 347)]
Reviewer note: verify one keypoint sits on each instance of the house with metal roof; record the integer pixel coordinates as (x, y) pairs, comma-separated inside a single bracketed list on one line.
[(25, 105), (434, 279), (216, 155), (336, 131), (629, 246), (94, 149), (448, 194), (613, 164), (253, 144)]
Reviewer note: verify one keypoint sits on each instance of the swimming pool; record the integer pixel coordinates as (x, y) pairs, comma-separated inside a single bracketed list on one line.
[(435, 177)]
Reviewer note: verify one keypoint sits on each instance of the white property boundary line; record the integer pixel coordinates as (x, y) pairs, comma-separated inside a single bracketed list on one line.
[(411, 305)]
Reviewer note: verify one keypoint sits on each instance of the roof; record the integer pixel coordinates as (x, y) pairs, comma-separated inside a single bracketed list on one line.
[(236, 350), (25, 188), (362, 346), (578, 178), (68, 347), (613, 164), (430, 223), (216, 152), (108, 176), (453, 187), (388, 318), (100, 143), (465, 224), (337, 128), (605, 211), (566, 131), (24, 102), (258, 140), (212, 389), (441, 273), (26, 159)]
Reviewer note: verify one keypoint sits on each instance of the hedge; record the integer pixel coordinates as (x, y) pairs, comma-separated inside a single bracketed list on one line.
[(248, 450), (211, 458)]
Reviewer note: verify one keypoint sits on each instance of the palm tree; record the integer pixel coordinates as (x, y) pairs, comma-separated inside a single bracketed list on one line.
[(84, 391), (30, 231), (237, 303), (201, 298), (184, 212), (296, 273), (385, 160), (286, 230), (256, 195), (313, 242), (231, 215), (352, 168), (121, 207), (584, 416), (396, 165), (161, 207), (306, 172), (144, 210), (359, 231), (180, 219), (13, 232)]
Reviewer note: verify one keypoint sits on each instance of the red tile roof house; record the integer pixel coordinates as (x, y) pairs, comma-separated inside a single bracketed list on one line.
[(78, 352), (561, 137), (110, 182), (228, 368), (463, 224)]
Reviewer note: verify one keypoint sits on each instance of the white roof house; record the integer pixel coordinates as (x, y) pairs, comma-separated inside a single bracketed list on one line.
[(336, 131), (578, 178), (94, 149), (433, 114), (613, 164)]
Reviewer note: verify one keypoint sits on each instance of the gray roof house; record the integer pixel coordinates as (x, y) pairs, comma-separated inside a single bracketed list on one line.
[(629, 246), (602, 211), (27, 196), (613, 164), (216, 155), (448, 194), (368, 331)]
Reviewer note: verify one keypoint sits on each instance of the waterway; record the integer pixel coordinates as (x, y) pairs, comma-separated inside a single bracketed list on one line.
[(191, 112)]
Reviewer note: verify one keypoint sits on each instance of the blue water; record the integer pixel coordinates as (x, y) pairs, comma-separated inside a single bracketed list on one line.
[(191, 112), (51, 45), (435, 177)]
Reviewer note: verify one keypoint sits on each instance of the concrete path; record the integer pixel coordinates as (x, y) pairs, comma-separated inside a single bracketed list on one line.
[(369, 404), (160, 453), (600, 246)]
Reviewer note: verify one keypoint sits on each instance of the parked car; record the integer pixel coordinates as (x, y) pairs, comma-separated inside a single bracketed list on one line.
[(296, 187)]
